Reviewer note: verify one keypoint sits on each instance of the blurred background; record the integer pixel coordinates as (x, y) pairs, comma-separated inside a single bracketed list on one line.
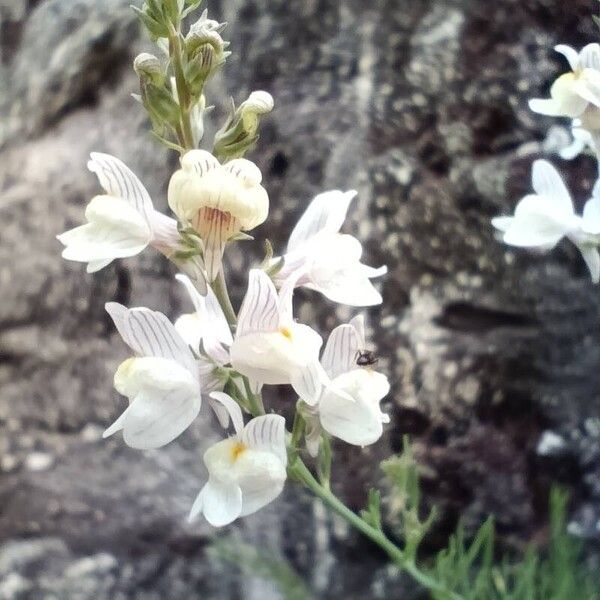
[(494, 355)]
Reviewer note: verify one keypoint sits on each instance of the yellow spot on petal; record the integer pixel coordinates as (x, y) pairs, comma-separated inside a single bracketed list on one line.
[(285, 332), (237, 450)]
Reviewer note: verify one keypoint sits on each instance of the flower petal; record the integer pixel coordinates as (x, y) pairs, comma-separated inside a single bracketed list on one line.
[(350, 286), (212, 325), (591, 214), (216, 228), (570, 54), (546, 106), (261, 478), (220, 502), (199, 162), (308, 382), (588, 87), (589, 57), (547, 182), (231, 409), (118, 180), (326, 212), (157, 416), (150, 333), (114, 230), (353, 422), (592, 260), (260, 307), (341, 350), (349, 408), (266, 433), (245, 170), (502, 223)]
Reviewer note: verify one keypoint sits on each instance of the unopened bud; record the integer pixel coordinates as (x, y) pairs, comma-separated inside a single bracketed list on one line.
[(206, 49), (161, 104), (148, 67), (258, 103), (240, 132)]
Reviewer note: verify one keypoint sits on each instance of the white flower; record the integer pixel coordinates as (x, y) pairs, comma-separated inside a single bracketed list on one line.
[(207, 326), (349, 406), (246, 471), (582, 140), (218, 201), (122, 222), (572, 93), (327, 260), (542, 219), (207, 333), (162, 382), (270, 347)]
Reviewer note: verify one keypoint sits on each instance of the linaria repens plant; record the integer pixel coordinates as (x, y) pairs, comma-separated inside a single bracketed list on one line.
[(543, 218), (218, 356)]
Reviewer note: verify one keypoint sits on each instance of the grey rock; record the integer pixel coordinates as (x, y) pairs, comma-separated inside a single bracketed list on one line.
[(420, 106)]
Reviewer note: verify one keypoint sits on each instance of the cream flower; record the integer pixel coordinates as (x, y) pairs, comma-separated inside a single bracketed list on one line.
[(542, 219), (327, 260), (349, 406), (122, 222), (270, 347), (218, 201), (162, 382), (246, 471), (572, 93)]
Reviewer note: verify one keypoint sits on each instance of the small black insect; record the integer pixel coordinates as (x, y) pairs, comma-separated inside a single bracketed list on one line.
[(366, 358)]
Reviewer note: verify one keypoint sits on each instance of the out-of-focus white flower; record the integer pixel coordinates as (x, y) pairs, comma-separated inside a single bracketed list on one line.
[(582, 141), (327, 260), (122, 222), (270, 347), (569, 143), (572, 93), (246, 471), (162, 382), (349, 406), (542, 219), (217, 200)]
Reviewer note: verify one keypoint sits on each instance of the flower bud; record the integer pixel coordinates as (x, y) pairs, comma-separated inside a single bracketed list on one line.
[(148, 68), (240, 131), (205, 48), (160, 103), (258, 103)]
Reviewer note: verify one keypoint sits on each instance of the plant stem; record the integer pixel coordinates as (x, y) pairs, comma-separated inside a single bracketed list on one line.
[(220, 289), (300, 472), (176, 52)]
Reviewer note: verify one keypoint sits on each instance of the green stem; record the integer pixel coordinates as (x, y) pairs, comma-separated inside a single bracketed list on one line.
[(300, 472), (254, 400), (220, 289), (176, 52)]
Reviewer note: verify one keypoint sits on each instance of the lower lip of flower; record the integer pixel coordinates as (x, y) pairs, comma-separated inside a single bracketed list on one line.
[(286, 333), (238, 449)]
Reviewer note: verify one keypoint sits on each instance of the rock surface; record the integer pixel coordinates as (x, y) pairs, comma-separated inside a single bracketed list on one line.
[(421, 106)]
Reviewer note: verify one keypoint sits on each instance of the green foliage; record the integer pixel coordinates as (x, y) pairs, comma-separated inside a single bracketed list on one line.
[(258, 563), (405, 500), (469, 569)]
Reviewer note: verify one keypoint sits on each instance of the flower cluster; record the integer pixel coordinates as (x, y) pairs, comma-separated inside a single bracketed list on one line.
[(226, 358), (545, 217)]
